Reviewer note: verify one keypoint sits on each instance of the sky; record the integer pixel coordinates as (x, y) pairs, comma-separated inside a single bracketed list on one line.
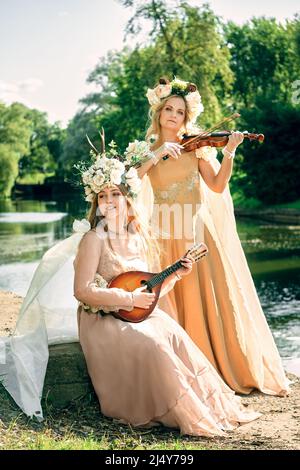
[(48, 47)]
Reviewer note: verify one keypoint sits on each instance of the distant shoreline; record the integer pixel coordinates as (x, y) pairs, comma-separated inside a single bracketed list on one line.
[(280, 215)]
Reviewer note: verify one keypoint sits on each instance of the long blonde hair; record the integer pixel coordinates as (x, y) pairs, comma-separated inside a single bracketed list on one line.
[(135, 223), (154, 116)]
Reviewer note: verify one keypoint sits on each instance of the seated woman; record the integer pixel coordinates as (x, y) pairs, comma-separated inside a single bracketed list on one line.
[(151, 372)]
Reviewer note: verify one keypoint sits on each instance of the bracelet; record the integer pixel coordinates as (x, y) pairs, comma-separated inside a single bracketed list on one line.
[(230, 154)]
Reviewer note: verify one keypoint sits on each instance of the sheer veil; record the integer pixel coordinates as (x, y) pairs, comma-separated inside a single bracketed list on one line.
[(47, 316)]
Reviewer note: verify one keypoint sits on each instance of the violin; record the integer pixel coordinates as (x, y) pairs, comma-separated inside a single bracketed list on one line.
[(210, 138)]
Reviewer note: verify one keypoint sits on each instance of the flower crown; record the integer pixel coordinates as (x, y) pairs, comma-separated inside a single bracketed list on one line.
[(110, 169), (178, 87)]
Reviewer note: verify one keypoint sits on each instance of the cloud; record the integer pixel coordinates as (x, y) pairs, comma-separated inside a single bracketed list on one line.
[(63, 14), (30, 85), (19, 91)]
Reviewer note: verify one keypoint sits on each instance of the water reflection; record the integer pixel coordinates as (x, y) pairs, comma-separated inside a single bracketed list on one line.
[(279, 294), (29, 228), (31, 217)]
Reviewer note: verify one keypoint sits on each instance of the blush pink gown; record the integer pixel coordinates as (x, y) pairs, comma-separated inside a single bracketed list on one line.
[(152, 372)]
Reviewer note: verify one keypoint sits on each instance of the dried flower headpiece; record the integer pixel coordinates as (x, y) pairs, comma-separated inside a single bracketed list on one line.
[(110, 168), (178, 87)]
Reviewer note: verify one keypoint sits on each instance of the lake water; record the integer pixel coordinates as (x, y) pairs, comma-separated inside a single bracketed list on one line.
[(29, 228)]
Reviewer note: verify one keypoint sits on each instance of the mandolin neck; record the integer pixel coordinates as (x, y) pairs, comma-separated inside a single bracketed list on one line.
[(160, 277)]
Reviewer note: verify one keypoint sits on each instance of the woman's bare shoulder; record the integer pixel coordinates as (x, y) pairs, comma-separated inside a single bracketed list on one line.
[(90, 247), (92, 240)]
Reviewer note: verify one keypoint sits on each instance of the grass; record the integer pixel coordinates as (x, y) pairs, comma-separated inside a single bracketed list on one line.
[(81, 426)]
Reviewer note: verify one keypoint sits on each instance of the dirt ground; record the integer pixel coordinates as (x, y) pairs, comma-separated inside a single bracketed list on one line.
[(278, 428)]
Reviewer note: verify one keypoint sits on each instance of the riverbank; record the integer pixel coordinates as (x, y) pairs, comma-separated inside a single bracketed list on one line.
[(284, 215), (278, 428)]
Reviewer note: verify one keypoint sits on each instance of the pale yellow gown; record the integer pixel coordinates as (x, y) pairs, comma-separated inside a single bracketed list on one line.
[(217, 304), (151, 372)]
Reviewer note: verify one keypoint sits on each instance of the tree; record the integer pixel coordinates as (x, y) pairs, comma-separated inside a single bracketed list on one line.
[(175, 46), (8, 169), (264, 59), (14, 137), (273, 168), (76, 147), (187, 41), (39, 159)]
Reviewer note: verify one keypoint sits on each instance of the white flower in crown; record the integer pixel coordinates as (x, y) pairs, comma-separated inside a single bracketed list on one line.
[(177, 87), (162, 91), (116, 176), (195, 105), (90, 197), (152, 97), (98, 179), (117, 165), (113, 169)]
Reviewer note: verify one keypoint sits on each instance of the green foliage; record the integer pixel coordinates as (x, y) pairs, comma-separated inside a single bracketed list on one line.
[(8, 169), (44, 146), (14, 127), (264, 59), (14, 138), (249, 68), (76, 146), (175, 47), (30, 146), (273, 168)]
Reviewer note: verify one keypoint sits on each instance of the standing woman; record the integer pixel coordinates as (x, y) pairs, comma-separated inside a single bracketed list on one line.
[(217, 304)]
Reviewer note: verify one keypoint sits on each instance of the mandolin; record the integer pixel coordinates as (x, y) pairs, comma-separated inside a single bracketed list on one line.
[(131, 280)]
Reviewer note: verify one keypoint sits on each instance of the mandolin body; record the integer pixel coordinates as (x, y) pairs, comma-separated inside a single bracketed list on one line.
[(129, 281)]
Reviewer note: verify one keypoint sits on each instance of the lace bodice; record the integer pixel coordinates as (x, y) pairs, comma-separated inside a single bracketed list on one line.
[(178, 181), (112, 264)]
